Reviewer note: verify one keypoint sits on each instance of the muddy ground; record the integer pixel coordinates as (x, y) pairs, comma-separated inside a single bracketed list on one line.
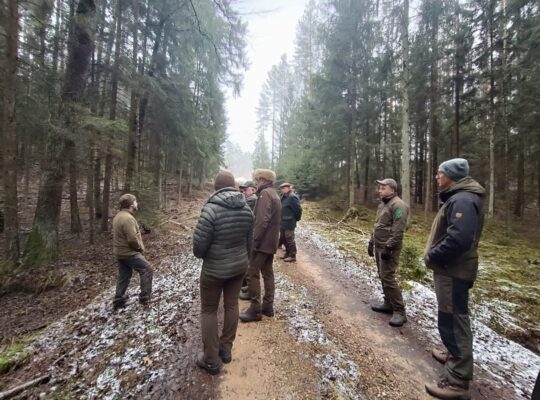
[(324, 341)]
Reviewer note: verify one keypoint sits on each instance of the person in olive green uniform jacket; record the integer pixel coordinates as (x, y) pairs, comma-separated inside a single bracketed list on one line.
[(385, 245), (128, 248), (451, 253)]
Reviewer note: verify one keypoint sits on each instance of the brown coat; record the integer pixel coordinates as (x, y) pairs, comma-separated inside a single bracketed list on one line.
[(127, 240), (267, 220)]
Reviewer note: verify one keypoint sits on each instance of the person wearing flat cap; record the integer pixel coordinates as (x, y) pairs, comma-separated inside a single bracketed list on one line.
[(250, 193), (385, 245), (451, 252), (291, 213)]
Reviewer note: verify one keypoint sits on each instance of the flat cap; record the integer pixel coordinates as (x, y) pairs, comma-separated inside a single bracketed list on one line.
[(388, 182)]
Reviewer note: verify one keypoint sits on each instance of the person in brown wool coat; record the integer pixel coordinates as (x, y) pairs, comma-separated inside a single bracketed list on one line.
[(223, 239), (265, 243)]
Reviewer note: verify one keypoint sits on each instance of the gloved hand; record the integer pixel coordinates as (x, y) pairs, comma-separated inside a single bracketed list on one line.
[(370, 249), (386, 254)]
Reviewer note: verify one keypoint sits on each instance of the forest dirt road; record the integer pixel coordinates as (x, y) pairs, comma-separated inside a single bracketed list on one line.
[(391, 363), (324, 341)]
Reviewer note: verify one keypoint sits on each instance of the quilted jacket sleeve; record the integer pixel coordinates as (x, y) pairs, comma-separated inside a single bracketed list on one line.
[(204, 231)]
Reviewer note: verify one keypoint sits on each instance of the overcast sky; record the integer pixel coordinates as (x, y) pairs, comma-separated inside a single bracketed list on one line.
[(271, 32)]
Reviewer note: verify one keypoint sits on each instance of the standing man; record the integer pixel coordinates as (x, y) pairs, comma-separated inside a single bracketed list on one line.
[(265, 242), (249, 190), (451, 253), (385, 245), (128, 248), (250, 193), (291, 213), (223, 239)]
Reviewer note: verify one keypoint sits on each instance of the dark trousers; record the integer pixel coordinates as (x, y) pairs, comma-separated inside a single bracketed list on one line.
[(286, 238), (211, 289), (455, 326), (387, 273), (125, 271), (261, 264)]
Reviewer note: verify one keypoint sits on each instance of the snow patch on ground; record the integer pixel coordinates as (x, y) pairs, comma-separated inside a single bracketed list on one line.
[(104, 354), (507, 362), (338, 374)]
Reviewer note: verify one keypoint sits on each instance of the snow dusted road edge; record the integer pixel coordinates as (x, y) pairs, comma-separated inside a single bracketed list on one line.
[(507, 362), (103, 354), (337, 373)]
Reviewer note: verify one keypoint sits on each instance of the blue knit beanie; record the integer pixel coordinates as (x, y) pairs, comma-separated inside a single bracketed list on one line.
[(455, 169)]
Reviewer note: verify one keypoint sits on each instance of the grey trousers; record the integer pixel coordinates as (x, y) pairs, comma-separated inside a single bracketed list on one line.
[(455, 326), (126, 266)]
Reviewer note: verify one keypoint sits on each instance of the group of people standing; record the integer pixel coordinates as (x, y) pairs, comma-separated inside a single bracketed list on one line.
[(237, 236), (451, 252), (239, 232)]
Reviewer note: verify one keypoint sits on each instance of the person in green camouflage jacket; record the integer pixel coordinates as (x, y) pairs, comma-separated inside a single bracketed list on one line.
[(385, 245)]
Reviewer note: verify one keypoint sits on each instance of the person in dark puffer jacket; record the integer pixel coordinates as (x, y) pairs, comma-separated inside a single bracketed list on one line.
[(223, 239)]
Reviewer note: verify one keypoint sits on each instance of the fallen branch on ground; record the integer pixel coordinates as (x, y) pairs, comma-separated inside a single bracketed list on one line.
[(8, 394)]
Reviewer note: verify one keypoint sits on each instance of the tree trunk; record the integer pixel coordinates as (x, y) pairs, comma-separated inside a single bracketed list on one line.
[(434, 100), (73, 201), (405, 145), (42, 246), (9, 140), (133, 106), (112, 116)]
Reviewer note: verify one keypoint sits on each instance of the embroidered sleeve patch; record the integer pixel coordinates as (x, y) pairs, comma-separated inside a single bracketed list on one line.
[(398, 213), (459, 215)]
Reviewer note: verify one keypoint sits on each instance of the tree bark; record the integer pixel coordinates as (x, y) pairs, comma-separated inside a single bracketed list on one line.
[(9, 142), (73, 192), (42, 246), (112, 116), (405, 145)]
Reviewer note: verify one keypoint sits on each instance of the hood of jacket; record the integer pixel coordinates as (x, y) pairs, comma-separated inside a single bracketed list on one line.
[(466, 184), (228, 197)]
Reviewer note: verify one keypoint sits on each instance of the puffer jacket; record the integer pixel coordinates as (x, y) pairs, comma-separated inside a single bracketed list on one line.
[(452, 245), (223, 235), (391, 223)]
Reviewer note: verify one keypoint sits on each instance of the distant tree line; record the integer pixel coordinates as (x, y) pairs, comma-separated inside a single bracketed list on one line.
[(387, 88), (109, 95)]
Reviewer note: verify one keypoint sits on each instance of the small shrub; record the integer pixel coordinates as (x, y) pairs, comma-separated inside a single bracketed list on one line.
[(410, 266)]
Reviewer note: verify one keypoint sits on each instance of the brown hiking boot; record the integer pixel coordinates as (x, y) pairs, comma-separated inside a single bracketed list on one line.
[(251, 314), (448, 391), (441, 356), (290, 259), (385, 308), (398, 318)]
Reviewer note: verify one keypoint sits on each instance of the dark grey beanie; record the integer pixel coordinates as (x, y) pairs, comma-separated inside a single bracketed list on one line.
[(455, 169)]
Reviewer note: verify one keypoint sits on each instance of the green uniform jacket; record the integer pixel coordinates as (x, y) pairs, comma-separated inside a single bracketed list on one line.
[(390, 224), (127, 240), (223, 235), (452, 245)]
